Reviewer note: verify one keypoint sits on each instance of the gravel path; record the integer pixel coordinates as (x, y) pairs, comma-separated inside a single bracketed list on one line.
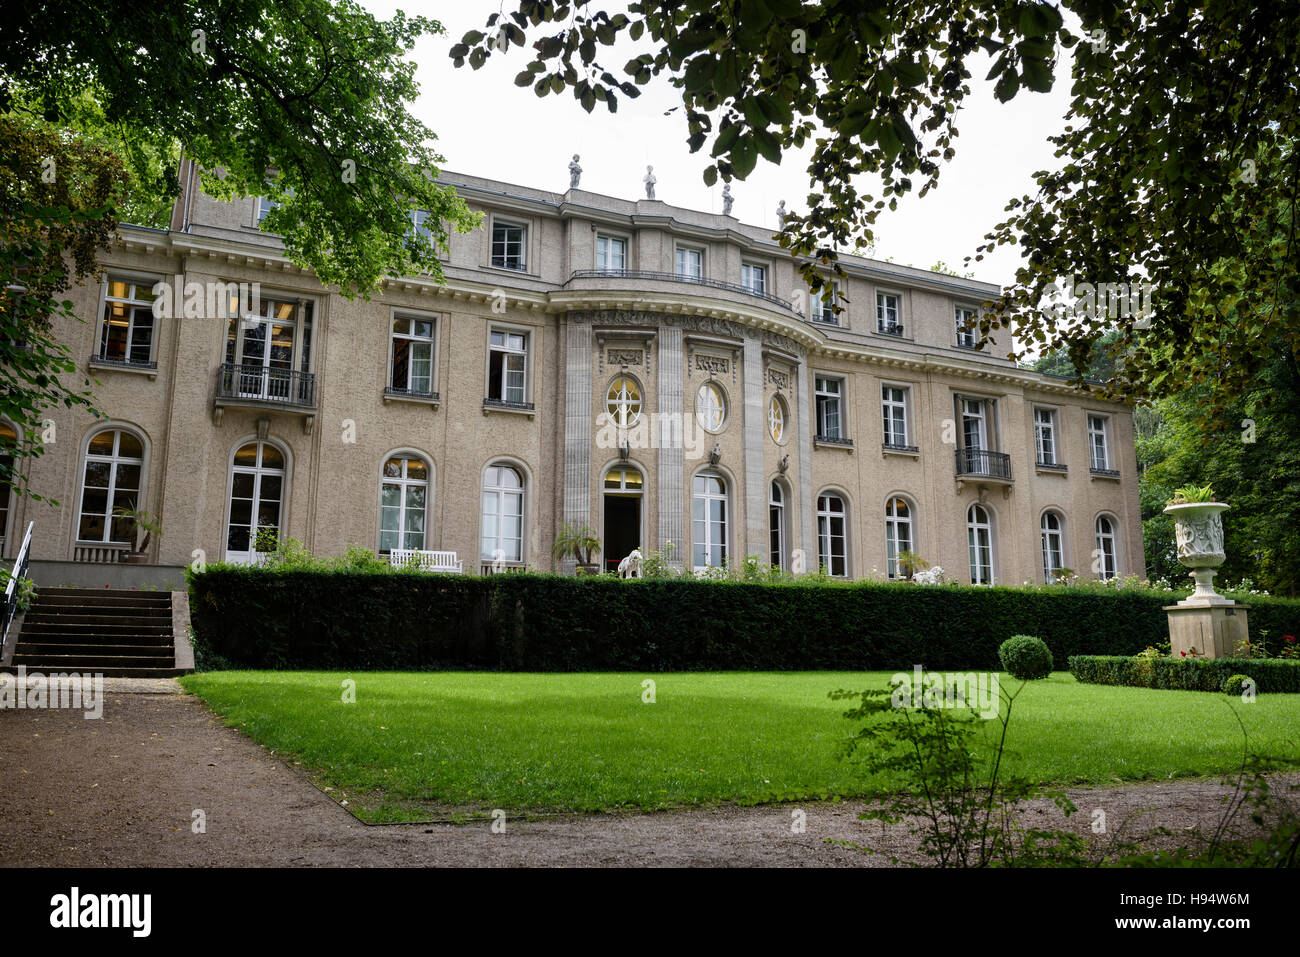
[(123, 791)]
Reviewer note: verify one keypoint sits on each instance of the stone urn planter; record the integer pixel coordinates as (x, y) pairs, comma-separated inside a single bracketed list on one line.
[(1198, 533)]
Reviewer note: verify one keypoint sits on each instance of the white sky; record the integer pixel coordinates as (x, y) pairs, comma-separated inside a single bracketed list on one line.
[(487, 126)]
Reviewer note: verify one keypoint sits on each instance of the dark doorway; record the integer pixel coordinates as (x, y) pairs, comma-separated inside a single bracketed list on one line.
[(622, 528)]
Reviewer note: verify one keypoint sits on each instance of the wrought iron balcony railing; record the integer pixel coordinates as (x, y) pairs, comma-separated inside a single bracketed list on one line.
[(984, 464), (263, 384)]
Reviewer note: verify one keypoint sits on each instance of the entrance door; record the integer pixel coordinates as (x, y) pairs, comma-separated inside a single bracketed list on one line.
[(623, 487)]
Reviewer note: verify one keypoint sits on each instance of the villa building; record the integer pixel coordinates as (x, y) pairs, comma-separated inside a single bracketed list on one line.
[(657, 373)]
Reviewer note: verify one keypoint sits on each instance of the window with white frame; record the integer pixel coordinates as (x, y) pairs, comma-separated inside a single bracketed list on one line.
[(690, 262), (1099, 442), (898, 534), (1106, 560), (893, 403), (824, 304), (264, 206), (411, 370), (623, 401), (711, 407), (754, 277), (979, 540), (965, 322), (110, 483), (257, 486), (830, 407), (127, 332), (507, 366), (611, 253), (776, 416), (404, 503), (832, 535), (502, 532), (776, 525), (1051, 532), (509, 245), (419, 225), (1045, 435), (974, 423), (709, 520), (889, 313)]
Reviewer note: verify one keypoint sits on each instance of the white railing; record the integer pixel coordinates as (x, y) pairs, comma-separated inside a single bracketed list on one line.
[(99, 554), (426, 561), (16, 575)]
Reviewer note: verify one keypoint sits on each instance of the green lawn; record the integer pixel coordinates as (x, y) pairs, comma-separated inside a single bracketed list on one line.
[(415, 745)]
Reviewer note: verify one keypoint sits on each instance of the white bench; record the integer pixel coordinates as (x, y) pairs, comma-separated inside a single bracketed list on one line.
[(426, 561)]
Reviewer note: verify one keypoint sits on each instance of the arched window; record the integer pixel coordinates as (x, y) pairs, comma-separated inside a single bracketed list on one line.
[(503, 514), (979, 538), (623, 401), (776, 525), (832, 535), (1106, 558), (110, 480), (709, 512), (403, 503), (257, 475), (898, 534), (776, 418), (1051, 527), (711, 407)]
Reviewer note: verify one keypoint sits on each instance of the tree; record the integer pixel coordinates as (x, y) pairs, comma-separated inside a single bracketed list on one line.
[(305, 101), (1176, 153)]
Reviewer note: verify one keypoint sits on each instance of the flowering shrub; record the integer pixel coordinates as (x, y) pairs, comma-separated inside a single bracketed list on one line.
[(933, 575)]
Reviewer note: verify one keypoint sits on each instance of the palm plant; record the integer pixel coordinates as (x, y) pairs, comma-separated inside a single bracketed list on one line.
[(578, 540)]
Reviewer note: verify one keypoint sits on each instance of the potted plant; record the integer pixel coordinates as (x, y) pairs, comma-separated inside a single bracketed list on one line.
[(909, 563), (579, 541), (144, 521), (1198, 533)]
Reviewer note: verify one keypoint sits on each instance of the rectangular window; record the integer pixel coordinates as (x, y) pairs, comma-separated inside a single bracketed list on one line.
[(264, 205), (754, 277), (508, 246), (1045, 436), (126, 334), (1098, 442), (894, 406), (888, 314), (507, 366), (419, 218), (824, 305), (412, 367), (965, 322), (830, 419), (690, 262), (611, 252), (974, 423)]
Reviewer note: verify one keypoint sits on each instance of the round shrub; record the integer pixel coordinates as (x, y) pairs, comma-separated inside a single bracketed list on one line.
[(1235, 684), (1025, 657)]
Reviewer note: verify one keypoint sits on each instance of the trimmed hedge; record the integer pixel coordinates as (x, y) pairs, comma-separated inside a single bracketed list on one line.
[(253, 618), (1026, 657), (1271, 675)]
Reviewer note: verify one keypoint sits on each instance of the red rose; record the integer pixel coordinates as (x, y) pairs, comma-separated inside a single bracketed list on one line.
[(1290, 638), (1183, 653)]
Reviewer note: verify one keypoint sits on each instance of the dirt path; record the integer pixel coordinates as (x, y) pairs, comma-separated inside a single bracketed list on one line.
[(122, 790)]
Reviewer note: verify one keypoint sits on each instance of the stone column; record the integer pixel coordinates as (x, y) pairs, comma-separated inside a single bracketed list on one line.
[(803, 401), (672, 476), (577, 425), (755, 541)]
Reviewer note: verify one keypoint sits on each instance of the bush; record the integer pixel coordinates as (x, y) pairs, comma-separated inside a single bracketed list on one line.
[(1235, 684), (1025, 657), (363, 614), (1274, 675)]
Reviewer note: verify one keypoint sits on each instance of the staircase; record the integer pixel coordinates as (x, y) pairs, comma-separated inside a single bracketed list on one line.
[(116, 633)]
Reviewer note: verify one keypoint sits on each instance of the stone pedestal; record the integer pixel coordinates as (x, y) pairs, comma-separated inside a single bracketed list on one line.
[(1213, 629)]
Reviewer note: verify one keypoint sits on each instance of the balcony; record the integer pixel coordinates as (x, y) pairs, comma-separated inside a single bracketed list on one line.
[(983, 464), (1105, 473), (835, 441), (262, 387), (649, 276)]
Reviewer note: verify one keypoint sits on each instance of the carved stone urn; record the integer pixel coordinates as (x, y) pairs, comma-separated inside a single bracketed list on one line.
[(1198, 532)]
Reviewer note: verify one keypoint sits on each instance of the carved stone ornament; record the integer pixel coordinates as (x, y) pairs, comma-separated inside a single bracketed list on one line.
[(625, 357)]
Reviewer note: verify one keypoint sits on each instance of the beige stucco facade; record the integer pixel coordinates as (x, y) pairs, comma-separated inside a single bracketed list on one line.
[(336, 415)]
